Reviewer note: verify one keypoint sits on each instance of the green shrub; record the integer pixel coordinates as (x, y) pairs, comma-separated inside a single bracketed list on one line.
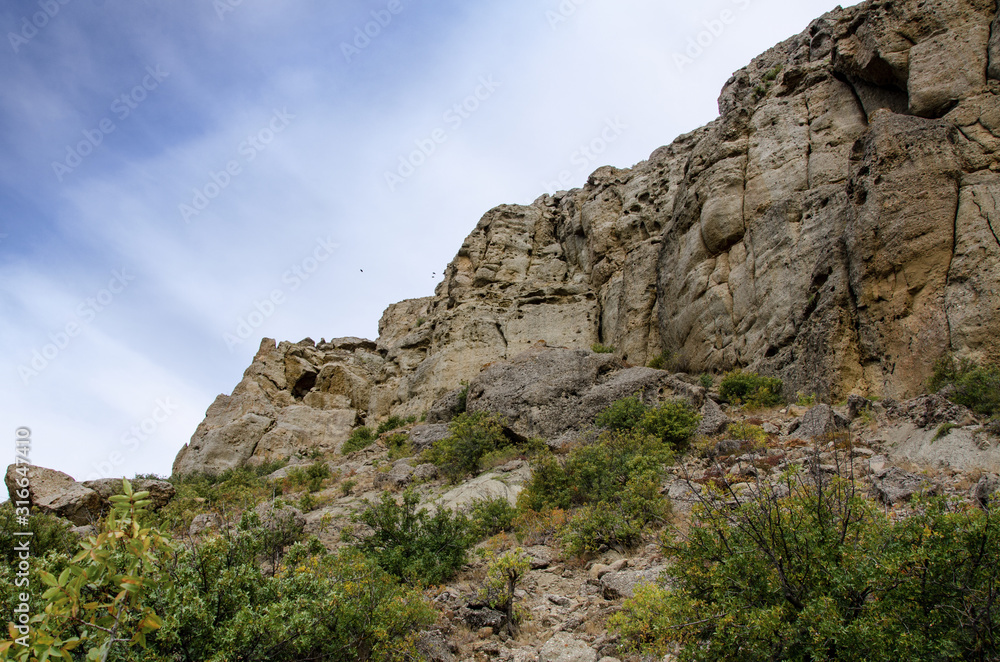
[(232, 491), (399, 446), (674, 423), (661, 361), (503, 572), (463, 399), (598, 348), (706, 381), (974, 386), (824, 574), (48, 533), (751, 389), (618, 522), (473, 436), (392, 423), (491, 515), (361, 437), (411, 544)]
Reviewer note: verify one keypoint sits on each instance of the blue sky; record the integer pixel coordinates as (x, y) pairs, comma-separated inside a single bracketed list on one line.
[(167, 168)]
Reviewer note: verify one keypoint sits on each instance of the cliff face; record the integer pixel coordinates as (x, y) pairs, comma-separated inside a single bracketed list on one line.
[(838, 226)]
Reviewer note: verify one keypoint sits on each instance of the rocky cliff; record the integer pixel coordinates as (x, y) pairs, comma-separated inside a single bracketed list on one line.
[(838, 226)]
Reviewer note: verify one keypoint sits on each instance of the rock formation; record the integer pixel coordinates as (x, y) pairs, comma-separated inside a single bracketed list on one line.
[(837, 226)]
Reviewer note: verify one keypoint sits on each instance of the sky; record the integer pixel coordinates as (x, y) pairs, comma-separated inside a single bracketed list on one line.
[(180, 179)]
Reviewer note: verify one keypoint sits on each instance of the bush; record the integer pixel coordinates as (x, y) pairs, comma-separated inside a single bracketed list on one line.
[(503, 572), (661, 361), (751, 389), (674, 423), (361, 437), (411, 544), (232, 491), (974, 386), (473, 436), (311, 477), (706, 381), (598, 348), (48, 534), (392, 423), (823, 574), (491, 515), (616, 482)]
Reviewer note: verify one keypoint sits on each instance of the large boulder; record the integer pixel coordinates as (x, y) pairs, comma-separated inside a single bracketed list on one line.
[(821, 421), (547, 391), (564, 647), (57, 493), (160, 491)]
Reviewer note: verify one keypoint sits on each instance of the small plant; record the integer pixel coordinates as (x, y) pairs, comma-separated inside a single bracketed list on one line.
[(347, 486), (752, 436), (706, 381), (316, 473), (391, 423), (539, 528), (491, 515), (473, 436), (399, 446), (420, 321), (661, 361), (503, 572), (751, 389), (361, 437), (803, 400), (307, 502), (674, 423), (412, 544), (463, 399), (598, 348), (624, 414), (972, 385), (944, 430)]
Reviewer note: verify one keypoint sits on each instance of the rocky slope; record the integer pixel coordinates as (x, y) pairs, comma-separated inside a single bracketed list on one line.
[(837, 226)]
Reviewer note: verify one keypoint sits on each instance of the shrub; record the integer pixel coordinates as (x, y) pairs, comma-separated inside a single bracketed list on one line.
[(674, 423), (391, 423), (503, 572), (311, 477), (491, 515), (598, 348), (974, 386), (661, 361), (412, 544), (361, 437), (617, 523), (232, 491), (539, 528), (473, 436), (463, 399), (399, 446), (706, 381), (751, 389), (48, 533), (823, 574)]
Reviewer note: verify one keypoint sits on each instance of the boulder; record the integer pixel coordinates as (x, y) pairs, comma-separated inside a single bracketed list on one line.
[(287, 519), (821, 421), (622, 584), (480, 616), (984, 491), (564, 647), (857, 404), (160, 491), (447, 406), (425, 472), (57, 493), (893, 485), (927, 411), (713, 420), (398, 476), (424, 436), (205, 523)]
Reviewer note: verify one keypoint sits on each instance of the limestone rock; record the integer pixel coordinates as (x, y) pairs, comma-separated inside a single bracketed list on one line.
[(994, 68), (205, 523), (984, 492), (563, 647), (547, 391), (928, 411), (820, 421), (892, 486), (713, 420), (424, 436), (622, 584), (57, 493), (160, 491)]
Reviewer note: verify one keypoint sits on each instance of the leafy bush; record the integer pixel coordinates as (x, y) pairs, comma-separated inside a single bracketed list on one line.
[(539, 528), (491, 515), (751, 389), (974, 386), (48, 534), (823, 574), (615, 479), (473, 436), (392, 423), (361, 437), (503, 572), (232, 491), (674, 423), (311, 477), (598, 348), (412, 544), (399, 446), (706, 381), (661, 361), (463, 399)]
